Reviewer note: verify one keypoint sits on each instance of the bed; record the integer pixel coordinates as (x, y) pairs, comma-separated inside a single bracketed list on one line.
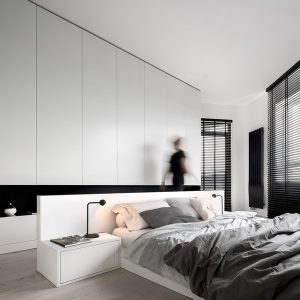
[(246, 245), (143, 251), (64, 215)]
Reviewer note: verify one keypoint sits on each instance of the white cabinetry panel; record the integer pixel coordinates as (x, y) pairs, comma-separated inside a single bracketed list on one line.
[(176, 108), (17, 93), (17, 229), (193, 134), (59, 101), (99, 111), (175, 116), (155, 124), (130, 119), (17, 233)]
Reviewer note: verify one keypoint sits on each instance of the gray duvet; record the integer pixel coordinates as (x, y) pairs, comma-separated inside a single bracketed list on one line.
[(260, 261), (151, 247)]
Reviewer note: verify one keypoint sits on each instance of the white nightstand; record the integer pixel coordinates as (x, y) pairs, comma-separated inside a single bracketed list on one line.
[(66, 265)]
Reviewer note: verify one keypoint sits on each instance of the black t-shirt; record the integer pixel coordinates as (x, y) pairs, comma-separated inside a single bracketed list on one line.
[(175, 168)]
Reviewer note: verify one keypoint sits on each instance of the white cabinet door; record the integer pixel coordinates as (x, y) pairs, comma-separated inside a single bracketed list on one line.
[(193, 134), (176, 108), (130, 119), (99, 111), (17, 92), (17, 229), (175, 116), (59, 101), (155, 124)]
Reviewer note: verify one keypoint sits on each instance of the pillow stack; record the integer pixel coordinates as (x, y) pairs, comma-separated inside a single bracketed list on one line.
[(128, 215), (196, 207), (165, 216), (140, 215)]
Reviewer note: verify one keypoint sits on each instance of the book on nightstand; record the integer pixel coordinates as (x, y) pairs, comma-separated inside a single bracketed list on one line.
[(69, 241)]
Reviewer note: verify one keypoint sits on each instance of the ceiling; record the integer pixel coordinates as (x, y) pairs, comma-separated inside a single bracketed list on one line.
[(231, 50)]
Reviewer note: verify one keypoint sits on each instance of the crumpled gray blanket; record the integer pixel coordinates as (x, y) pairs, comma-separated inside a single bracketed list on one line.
[(150, 248), (254, 262)]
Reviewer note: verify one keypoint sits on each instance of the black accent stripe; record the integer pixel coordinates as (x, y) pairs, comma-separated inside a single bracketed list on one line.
[(24, 197)]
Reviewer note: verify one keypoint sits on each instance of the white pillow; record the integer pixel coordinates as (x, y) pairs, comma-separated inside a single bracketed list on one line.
[(131, 217), (204, 207), (184, 205), (148, 205)]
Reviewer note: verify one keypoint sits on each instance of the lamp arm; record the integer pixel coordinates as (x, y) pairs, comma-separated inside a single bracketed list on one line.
[(222, 200), (87, 216)]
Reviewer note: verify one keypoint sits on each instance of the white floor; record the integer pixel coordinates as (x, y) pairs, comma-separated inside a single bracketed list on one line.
[(19, 280)]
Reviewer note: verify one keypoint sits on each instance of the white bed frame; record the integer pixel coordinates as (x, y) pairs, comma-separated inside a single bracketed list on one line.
[(65, 215)]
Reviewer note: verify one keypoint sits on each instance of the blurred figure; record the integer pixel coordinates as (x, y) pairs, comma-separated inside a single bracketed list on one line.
[(177, 167)]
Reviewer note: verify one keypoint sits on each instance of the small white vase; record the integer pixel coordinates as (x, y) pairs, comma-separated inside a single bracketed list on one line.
[(10, 210)]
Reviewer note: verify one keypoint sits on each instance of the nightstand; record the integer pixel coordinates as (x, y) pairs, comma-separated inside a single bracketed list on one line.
[(66, 265)]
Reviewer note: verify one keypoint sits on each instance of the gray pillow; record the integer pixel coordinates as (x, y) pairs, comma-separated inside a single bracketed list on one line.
[(184, 205), (164, 216)]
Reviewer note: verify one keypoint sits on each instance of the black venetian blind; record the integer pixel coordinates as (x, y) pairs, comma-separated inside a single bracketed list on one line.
[(216, 157), (284, 144)]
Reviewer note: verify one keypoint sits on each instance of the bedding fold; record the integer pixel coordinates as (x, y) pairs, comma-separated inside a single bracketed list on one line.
[(260, 261)]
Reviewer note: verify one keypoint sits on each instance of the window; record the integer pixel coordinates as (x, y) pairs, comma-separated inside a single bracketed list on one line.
[(284, 144), (216, 157)]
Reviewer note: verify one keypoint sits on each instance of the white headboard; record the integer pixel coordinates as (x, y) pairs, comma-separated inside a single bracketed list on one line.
[(66, 214)]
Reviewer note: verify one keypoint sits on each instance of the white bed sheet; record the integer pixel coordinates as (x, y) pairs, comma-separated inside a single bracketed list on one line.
[(128, 237)]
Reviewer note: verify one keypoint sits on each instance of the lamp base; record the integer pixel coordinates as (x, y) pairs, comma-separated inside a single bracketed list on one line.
[(92, 235)]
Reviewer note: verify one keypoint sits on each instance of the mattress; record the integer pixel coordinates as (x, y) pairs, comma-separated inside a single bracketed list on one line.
[(129, 237)]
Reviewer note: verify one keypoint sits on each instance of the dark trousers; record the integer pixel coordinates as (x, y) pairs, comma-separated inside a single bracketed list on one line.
[(177, 184)]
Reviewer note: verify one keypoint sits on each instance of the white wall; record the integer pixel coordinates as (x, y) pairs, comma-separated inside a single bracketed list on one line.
[(256, 116), (236, 114)]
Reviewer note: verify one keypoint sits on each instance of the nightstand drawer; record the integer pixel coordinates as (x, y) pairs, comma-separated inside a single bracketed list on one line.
[(88, 260)]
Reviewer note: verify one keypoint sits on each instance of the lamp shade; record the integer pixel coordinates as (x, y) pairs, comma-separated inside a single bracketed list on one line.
[(102, 202)]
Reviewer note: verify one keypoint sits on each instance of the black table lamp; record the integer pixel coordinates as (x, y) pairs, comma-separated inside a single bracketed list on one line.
[(215, 196), (92, 235)]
